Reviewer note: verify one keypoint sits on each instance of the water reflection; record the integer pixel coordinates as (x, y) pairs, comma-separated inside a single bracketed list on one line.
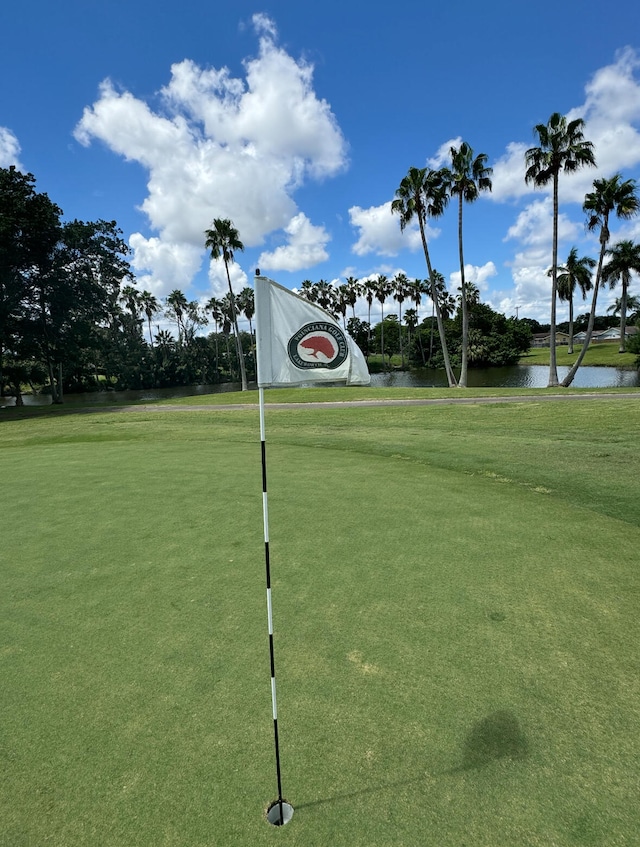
[(516, 376)]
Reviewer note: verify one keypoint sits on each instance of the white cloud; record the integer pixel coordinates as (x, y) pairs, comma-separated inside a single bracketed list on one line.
[(478, 275), (168, 265), (221, 146), (534, 227), (305, 249), (442, 158), (9, 149), (611, 111), (218, 277), (380, 233)]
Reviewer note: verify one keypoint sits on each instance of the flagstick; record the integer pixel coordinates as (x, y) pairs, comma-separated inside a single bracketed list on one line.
[(265, 512)]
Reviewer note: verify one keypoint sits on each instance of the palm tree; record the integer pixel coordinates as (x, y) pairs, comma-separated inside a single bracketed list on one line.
[(353, 291), (177, 305), (151, 307), (441, 299), (341, 302), (214, 306), (609, 195), (467, 178), (308, 290), (633, 305), (575, 272), (411, 322), (369, 295), (625, 260), (223, 240), (382, 289), (562, 147), (325, 295), (422, 194), (401, 290)]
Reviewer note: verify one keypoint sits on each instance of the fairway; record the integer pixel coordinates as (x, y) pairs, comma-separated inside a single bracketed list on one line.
[(455, 595)]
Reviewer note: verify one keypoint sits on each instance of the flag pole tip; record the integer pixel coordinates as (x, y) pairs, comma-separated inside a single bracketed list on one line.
[(273, 813)]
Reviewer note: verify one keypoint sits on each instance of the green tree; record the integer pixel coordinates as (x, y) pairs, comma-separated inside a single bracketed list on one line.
[(382, 289), (401, 290), (30, 231), (177, 303), (610, 196), (246, 303), (353, 291), (575, 272), (422, 194), (467, 178), (223, 241), (214, 307), (150, 307), (562, 148), (624, 260)]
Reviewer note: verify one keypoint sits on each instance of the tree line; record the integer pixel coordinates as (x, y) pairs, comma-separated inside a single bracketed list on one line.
[(71, 316), (424, 193)]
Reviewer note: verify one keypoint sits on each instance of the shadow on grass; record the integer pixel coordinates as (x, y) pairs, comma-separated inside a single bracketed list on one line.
[(498, 736)]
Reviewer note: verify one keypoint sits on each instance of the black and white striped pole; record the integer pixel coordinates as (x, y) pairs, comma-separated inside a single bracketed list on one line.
[(279, 812)]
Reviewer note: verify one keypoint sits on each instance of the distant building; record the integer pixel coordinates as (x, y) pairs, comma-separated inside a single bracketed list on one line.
[(541, 339)]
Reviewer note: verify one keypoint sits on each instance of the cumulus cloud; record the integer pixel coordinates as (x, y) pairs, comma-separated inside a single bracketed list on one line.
[(611, 112), (221, 146), (379, 231), (305, 249), (534, 226), (442, 158), (478, 275), (9, 149)]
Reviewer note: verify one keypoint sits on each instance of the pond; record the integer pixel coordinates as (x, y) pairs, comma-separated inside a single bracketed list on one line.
[(515, 376)]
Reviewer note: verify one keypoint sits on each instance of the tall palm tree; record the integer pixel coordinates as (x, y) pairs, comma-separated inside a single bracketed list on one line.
[(575, 272), (382, 289), (353, 291), (369, 291), (562, 148), (132, 299), (441, 299), (177, 305), (422, 194), (467, 178), (401, 290), (625, 260), (341, 302), (214, 307), (411, 322), (609, 196), (223, 240), (151, 307)]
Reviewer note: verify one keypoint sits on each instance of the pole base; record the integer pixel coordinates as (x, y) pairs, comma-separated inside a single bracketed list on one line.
[(273, 813)]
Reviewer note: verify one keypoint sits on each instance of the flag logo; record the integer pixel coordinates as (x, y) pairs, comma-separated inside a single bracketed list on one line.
[(318, 345)]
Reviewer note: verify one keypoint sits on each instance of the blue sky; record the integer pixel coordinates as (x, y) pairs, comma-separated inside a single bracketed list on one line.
[(298, 121)]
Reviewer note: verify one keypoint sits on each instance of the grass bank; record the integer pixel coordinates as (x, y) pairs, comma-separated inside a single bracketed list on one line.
[(602, 354), (455, 601)]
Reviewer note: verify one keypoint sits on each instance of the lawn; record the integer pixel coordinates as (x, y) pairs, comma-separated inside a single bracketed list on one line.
[(601, 354), (455, 596)]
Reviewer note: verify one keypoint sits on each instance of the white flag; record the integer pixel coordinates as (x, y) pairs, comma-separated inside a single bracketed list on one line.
[(297, 341)]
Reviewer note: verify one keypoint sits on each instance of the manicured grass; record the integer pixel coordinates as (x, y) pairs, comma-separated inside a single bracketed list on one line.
[(602, 354), (456, 624)]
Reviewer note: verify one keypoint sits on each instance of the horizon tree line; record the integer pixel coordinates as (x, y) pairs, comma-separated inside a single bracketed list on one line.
[(67, 293)]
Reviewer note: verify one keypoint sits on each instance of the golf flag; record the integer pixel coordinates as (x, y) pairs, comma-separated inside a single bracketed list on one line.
[(297, 341)]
